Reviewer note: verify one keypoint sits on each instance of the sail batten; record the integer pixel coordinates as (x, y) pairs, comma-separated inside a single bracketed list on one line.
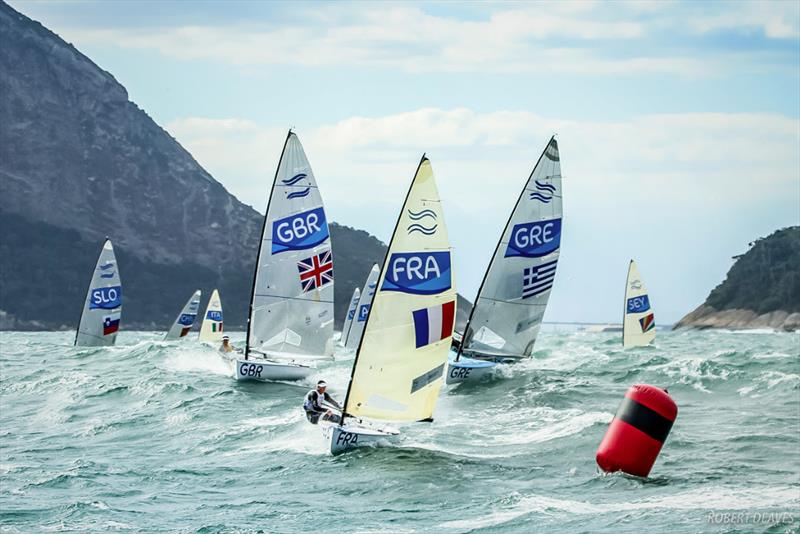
[(399, 365), (511, 301), (291, 309), (638, 324), (102, 308)]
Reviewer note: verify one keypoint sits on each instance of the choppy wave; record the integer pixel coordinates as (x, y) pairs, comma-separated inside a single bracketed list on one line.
[(153, 436)]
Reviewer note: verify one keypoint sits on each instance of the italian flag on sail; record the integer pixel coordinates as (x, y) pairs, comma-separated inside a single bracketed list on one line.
[(216, 327), (434, 324)]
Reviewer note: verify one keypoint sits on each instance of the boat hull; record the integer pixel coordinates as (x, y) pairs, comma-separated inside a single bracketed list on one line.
[(341, 439), (263, 370), (468, 370)]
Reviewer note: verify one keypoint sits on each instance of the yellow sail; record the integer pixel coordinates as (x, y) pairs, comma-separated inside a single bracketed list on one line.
[(400, 362)]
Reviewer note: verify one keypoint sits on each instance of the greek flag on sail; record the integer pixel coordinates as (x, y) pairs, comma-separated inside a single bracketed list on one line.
[(537, 280)]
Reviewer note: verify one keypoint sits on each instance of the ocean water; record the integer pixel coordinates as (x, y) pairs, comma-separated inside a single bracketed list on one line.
[(151, 436)]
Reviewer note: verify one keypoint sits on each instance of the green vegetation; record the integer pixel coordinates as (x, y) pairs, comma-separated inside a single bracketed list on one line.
[(766, 278)]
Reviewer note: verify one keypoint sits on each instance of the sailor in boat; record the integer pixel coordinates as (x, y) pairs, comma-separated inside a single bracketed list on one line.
[(226, 345), (314, 407)]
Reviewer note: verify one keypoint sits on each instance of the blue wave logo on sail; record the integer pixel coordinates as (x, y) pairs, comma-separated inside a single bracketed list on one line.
[(214, 315), (294, 179), (638, 304), (544, 192), (107, 275), (299, 194), (107, 265), (186, 319), (299, 232), (534, 239), (420, 227), (105, 298), (418, 273)]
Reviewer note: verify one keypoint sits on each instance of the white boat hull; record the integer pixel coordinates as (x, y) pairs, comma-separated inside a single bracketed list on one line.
[(340, 439), (263, 370), (468, 370)]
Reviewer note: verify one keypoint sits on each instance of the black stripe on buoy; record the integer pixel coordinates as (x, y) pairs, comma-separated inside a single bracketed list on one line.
[(645, 419)]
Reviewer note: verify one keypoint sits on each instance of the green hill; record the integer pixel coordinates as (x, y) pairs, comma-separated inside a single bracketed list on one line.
[(762, 289)]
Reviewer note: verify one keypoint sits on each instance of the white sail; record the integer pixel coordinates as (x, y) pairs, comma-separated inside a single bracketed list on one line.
[(351, 312), (638, 324), (399, 365), (291, 311), (364, 303), (102, 308), (212, 326), (185, 319), (508, 310)]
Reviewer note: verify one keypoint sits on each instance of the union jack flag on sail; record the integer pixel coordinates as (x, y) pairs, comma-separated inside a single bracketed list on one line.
[(316, 271)]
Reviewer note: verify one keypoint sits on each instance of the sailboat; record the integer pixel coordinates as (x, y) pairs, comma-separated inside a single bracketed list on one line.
[(211, 328), (638, 321), (399, 364), (505, 319), (185, 320), (364, 303), (351, 312), (102, 308), (291, 306)]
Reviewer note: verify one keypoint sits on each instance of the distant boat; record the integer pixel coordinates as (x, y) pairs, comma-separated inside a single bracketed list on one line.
[(351, 312), (364, 303), (212, 326), (638, 322), (399, 365), (291, 307), (505, 320), (185, 320), (102, 308)]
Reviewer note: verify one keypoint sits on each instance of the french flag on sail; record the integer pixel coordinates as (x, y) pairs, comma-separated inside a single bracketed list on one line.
[(435, 323)]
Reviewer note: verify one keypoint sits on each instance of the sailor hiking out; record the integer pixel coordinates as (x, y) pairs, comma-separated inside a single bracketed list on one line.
[(226, 345), (313, 405)]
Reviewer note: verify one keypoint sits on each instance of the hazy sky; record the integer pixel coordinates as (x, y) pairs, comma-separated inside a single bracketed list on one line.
[(677, 121)]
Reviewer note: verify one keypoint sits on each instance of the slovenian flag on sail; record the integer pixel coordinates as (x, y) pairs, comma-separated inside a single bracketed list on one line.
[(435, 323), (110, 323)]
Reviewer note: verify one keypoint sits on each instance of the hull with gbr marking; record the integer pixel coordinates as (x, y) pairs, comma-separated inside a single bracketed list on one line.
[(263, 370)]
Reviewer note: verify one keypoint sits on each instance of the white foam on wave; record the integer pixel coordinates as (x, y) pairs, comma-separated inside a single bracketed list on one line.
[(689, 371), (301, 438), (715, 499), (197, 358), (768, 380)]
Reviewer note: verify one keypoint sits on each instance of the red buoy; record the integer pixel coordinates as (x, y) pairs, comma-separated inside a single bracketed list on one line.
[(637, 432)]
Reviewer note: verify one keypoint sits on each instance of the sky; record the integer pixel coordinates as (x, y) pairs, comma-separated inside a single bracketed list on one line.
[(678, 122)]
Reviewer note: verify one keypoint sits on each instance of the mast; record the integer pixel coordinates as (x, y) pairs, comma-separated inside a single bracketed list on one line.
[(625, 301), (496, 248), (260, 245), (377, 288)]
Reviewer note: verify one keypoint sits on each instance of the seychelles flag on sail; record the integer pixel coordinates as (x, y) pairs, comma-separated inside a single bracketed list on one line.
[(434, 324), (648, 322), (110, 323)]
